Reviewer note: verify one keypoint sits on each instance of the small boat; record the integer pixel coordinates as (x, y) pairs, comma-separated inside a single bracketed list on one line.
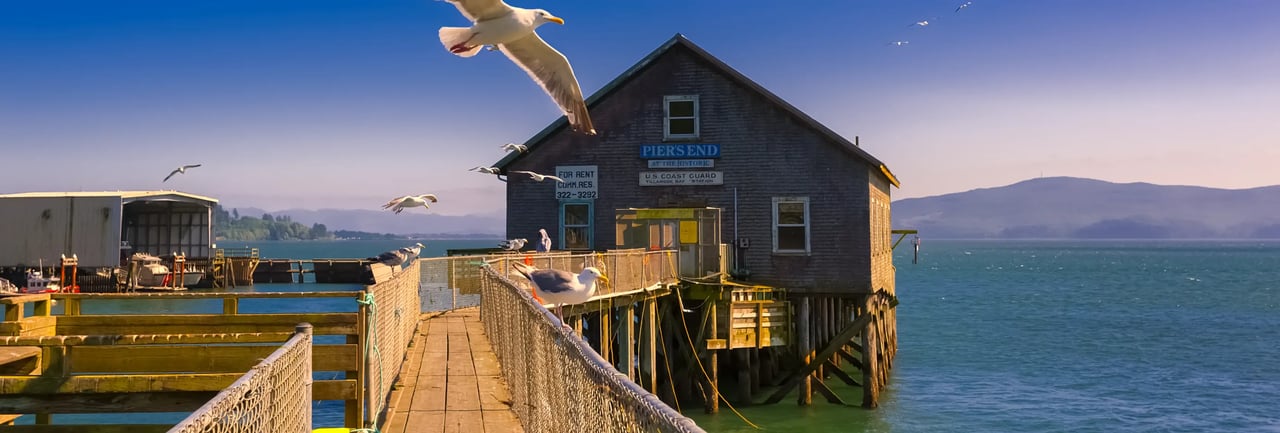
[(38, 283), (153, 274)]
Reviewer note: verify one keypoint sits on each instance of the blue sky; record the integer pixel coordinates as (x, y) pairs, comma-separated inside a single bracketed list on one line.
[(312, 103)]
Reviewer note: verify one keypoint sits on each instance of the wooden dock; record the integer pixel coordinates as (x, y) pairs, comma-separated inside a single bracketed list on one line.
[(451, 380)]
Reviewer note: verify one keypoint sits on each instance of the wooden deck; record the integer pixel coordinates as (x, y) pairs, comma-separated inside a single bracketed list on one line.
[(451, 381)]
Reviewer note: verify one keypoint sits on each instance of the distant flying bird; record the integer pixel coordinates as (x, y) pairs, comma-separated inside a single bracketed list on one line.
[(512, 30), (182, 170), (560, 287), (544, 245), (398, 205), (513, 244), (922, 23), (489, 170), (514, 147), (539, 177), (898, 43), (963, 5)]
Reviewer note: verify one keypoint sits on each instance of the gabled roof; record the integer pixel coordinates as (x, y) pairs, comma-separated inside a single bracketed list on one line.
[(125, 196), (734, 75)]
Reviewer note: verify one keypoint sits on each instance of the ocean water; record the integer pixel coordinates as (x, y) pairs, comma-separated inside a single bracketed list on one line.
[(1019, 336), (1066, 336)]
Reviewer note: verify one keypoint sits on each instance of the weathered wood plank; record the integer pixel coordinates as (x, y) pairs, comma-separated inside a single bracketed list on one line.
[(426, 421), (463, 421), (337, 389), (835, 345), (17, 360), (116, 383), (38, 325), (74, 428), (199, 359), (428, 394), (462, 393), (136, 339), (493, 393), (501, 421), (322, 323), (105, 403)]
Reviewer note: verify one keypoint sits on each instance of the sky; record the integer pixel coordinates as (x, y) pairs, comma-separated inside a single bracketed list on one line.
[(320, 103)]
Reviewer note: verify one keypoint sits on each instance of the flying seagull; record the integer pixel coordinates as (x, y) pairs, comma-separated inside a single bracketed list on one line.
[(898, 43), (544, 245), (539, 177), (489, 170), (399, 204), (182, 170), (513, 244), (560, 287), (509, 147), (922, 23), (511, 29), (963, 5)]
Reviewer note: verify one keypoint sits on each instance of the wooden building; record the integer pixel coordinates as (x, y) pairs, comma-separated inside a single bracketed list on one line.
[(802, 207), (797, 212)]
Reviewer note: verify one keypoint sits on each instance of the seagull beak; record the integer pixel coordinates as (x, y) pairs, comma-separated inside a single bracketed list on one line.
[(555, 19), (604, 278)]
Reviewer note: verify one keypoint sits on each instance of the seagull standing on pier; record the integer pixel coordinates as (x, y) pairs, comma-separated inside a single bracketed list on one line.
[(411, 252), (512, 30), (560, 287), (544, 245), (182, 170), (539, 177), (513, 244), (399, 204), (391, 258)]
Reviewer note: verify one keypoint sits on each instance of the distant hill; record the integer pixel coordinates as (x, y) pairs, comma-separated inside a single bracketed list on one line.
[(1075, 208), (411, 221)]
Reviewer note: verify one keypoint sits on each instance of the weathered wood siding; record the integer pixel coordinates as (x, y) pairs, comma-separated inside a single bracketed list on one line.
[(765, 152)]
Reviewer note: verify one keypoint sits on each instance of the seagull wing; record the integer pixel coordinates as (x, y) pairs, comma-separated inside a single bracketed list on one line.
[(190, 166), (530, 173), (394, 202), (431, 197), (552, 280), (555, 178), (166, 178), (551, 70), (481, 10)]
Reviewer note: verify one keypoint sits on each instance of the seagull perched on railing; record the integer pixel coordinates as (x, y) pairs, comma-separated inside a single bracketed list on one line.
[(399, 204), (560, 287), (513, 244), (182, 170), (391, 258), (411, 252), (539, 177)]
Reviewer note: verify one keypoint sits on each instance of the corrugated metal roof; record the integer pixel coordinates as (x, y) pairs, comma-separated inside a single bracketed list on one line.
[(126, 196)]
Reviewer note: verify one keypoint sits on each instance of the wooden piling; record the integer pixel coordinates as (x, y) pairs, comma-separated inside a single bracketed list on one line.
[(629, 345), (805, 349), (712, 364)]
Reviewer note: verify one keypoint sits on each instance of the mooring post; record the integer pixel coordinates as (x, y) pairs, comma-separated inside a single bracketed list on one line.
[(629, 348), (606, 343), (713, 366), (806, 351), (651, 341), (870, 366)]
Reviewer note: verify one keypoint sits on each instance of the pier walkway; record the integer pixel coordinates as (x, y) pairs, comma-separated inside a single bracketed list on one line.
[(451, 380)]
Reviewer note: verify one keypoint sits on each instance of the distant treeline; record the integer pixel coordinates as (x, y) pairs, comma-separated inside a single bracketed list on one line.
[(233, 226)]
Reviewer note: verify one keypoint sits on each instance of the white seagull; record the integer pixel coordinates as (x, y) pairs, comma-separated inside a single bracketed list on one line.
[(399, 204), (963, 5), (544, 245), (510, 147), (489, 170), (561, 288), (511, 29), (513, 244), (539, 177), (182, 170), (391, 258), (411, 252), (898, 43), (922, 23)]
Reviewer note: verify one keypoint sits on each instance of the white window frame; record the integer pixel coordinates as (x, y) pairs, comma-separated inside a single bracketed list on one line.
[(590, 225), (666, 121), (808, 235)]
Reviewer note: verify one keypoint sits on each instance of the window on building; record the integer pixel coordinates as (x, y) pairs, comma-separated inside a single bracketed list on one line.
[(575, 226), (682, 117), (791, 225)]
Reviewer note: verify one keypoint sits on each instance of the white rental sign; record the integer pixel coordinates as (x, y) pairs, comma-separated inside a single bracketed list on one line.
[(681, 178), (580, 182)]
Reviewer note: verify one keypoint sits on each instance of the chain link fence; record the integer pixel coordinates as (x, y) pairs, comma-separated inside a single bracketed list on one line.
[(558, 382), (392, 319), (274, 396)]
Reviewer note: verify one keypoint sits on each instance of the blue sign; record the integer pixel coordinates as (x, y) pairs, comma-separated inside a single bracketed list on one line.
[(679, 151)]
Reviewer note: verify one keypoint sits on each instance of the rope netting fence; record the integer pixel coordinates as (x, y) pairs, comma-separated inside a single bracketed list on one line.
[(274, 396), (556, 380), (392, 315)]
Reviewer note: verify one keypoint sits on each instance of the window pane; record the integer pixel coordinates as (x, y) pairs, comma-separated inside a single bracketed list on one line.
[(791, 213), (680, 109), (681, 126), (575, 238), (575, 214), (791, 238)]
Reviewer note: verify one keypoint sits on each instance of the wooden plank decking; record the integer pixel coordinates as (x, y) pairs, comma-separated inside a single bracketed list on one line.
[(451, 381)]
